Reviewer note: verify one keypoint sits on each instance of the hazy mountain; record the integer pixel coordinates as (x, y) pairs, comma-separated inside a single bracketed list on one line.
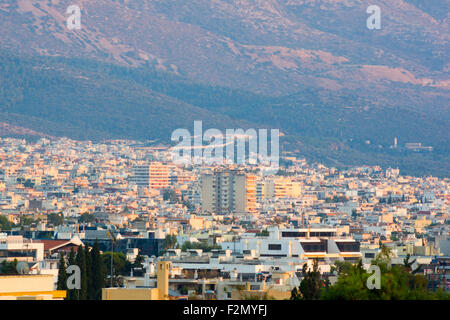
[(252, 44), (309, 67)]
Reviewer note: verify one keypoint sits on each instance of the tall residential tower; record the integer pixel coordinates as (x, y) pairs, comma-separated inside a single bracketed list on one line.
[(228, 191)]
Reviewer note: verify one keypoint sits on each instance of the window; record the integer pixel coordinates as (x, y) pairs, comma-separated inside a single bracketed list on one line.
[(315, 246), (18, 253), (348, 246), (322, 234), (274, 246), (293, 234), (326, 234)]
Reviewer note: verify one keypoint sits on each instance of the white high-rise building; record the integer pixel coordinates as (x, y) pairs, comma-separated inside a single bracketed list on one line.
[(228, 191), (141, 176)]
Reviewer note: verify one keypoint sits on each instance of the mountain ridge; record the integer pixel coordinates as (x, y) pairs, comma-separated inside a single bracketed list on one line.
[(312, 69)]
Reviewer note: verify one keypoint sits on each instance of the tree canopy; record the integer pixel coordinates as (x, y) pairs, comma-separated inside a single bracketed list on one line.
[(397, 282)]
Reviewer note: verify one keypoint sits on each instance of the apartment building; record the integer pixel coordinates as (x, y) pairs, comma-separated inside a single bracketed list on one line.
[(228, 191), (155, 175), (20, 249), (303, 243), (277, 188)]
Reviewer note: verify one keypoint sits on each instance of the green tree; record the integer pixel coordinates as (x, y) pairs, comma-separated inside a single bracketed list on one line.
[(26, 221), (5, 224), (89, 273), (98, 273), (62, 275), (295, 294), (384, 258), (351, 284), (170, 241), (86, 218), (55, 219), (7, 267), (80, 261), (263, 233), (311, 284), (397, 283), (121, 266), (138, 262), (72, 294), (408, 263)]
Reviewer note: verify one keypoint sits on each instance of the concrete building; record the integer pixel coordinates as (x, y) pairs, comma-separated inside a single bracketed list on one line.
[(16, 247), (29, 287), (228, 191), (156, 175), (141, 176), (161, 292), (278, 188), (304, 243), (159, 176)]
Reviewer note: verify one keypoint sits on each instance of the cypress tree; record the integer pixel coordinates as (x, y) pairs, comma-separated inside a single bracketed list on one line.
[(88, 272), (81, 262), (72, 294), (62, 275), (98, 272)]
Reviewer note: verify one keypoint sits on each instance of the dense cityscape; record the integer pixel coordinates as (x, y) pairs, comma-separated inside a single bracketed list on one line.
[(191, 232)]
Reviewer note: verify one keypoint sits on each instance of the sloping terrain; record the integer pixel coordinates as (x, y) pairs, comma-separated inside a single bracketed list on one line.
[(141, 68), (257, 45)]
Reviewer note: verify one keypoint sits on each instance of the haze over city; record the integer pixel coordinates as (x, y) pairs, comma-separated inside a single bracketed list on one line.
[(224, 150)]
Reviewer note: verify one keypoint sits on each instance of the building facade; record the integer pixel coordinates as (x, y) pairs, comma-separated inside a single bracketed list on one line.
[(228, 191)]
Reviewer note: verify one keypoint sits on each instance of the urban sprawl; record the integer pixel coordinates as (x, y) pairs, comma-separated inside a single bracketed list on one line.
[(206, 231)]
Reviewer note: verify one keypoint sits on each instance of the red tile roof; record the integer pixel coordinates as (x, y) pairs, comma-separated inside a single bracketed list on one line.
[(50, 245)]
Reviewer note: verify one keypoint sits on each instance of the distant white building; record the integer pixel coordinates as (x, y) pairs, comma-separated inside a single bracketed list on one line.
[(304, 243), (16, 247)]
